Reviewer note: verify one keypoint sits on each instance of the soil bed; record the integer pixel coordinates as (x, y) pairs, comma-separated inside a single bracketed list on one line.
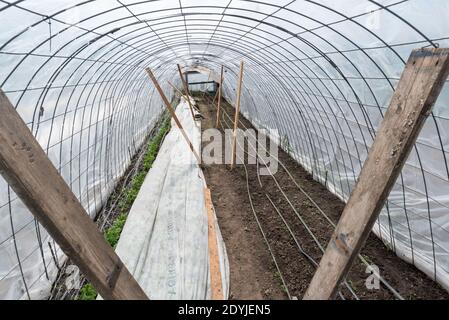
[(253, 272)]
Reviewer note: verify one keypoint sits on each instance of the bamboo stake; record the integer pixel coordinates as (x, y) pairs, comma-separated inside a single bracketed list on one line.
[(237, 116), (220, 94), (173, 113)]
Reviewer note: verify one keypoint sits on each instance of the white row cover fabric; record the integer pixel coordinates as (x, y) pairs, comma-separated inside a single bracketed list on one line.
[(165, 240)]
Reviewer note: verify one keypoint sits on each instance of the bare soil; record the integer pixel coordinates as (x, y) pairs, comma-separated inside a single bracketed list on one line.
[(253, 272)]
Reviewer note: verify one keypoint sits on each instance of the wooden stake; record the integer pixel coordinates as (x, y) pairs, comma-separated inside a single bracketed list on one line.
[(237, 116), (186, 89), (26, 167), (215, 97), (418, 89), (220, 94), (177, 90), (205, 91), (214, 259), (173, 113)]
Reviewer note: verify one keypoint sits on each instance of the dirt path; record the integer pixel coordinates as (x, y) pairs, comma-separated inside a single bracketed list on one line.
[(253, 272), (253, 275)]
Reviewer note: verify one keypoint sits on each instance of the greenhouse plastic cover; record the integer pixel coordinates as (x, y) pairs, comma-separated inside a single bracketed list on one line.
[(165, 240), (320, 73)]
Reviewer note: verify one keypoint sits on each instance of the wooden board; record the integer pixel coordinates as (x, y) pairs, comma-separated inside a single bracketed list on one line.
[(187, 91), (214, 259), (418, 89), (26, 167)]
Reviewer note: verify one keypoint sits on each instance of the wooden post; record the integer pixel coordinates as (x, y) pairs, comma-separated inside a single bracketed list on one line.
[(220, 94), (173, 113), (214, 259), (187, 91), (26, 167), (418, 89), (237, 117)]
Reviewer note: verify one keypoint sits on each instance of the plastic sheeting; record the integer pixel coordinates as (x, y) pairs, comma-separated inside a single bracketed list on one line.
[(165, 240), (319, 75)]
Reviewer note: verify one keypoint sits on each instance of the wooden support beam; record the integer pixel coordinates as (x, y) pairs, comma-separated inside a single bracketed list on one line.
[(187, 91), (173, 114), (214, 259), (26, 167), (237, 116), (220, 96), (418, 89)]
